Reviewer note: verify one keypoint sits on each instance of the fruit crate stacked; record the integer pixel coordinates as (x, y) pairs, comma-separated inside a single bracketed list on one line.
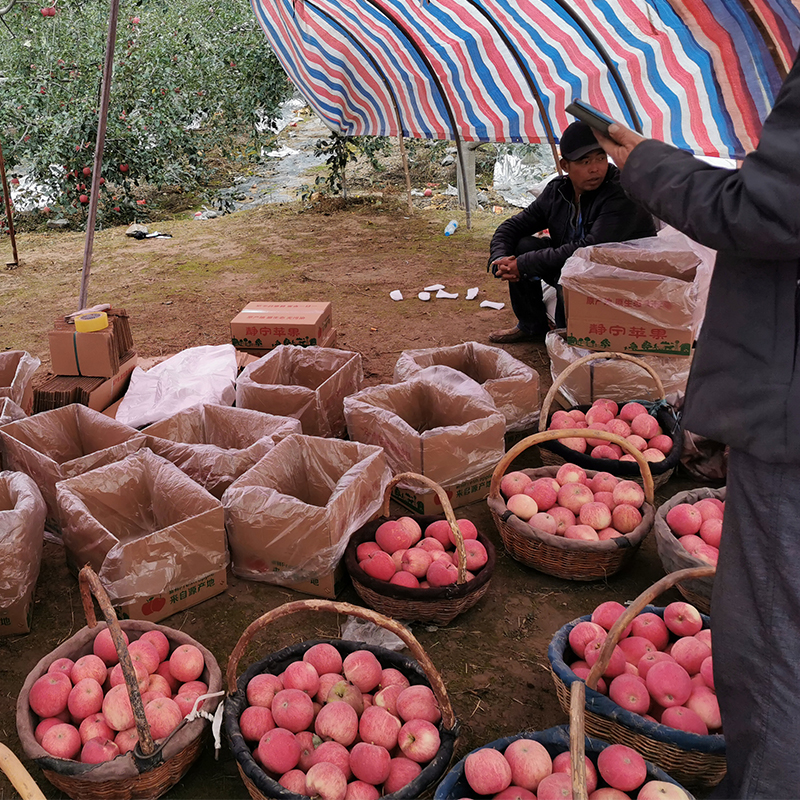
[(421, 568), (652, 427), (270, 721), (668, 715), (529, 537), (154, 744)]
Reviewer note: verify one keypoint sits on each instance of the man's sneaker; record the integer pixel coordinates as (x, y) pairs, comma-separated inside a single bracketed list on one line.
[(513, 335)]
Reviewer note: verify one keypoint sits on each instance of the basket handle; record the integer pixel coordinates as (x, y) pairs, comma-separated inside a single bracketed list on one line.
[(558, 382), (634, 609), (20, 778), (570, 433), (89, 585), (577, 741), (446, 507), (437, 684)]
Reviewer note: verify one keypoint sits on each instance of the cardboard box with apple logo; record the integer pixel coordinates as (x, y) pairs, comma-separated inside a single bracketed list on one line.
[(155, 538)]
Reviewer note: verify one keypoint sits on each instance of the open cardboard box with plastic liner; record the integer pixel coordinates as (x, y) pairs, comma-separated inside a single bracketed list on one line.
[(155, 538)]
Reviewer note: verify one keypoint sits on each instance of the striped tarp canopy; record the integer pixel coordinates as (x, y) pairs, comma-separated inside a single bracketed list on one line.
[(701, 74)]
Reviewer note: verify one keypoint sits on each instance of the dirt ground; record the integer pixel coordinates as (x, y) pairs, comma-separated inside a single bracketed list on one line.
[(182, 292)]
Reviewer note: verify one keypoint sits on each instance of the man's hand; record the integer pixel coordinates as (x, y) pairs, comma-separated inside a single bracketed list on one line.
[(507, 269), (619, 143)]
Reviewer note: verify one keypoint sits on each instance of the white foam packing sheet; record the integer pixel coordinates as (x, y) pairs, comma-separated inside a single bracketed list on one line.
[(396, 294), (492, 304), (442, 294)]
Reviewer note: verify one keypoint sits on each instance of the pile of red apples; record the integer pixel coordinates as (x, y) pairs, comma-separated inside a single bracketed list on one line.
[(632, 422), (662, 668), (698, 527), (575, 505), (83, 706), (526, 771), (405, 555), (332, 728)]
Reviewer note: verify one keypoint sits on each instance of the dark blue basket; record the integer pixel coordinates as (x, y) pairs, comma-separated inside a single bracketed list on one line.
[(554, 740), (693, 759)]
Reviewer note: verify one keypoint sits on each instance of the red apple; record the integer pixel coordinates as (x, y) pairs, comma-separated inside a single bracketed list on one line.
[(621, 767), (487, 771), (370, 763), (529, 761)]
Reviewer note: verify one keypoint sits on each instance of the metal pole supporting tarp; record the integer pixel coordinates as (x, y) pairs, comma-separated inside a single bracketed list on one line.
[(94, 196)]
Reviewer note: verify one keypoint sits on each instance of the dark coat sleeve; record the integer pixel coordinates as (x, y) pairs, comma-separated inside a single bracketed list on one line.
[(527, 222), (754, 211)]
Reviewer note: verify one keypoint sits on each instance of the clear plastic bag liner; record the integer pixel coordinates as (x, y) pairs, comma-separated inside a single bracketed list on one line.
[(659, 280), (143, 525), (16, 371), (22, 515), (289, 517), (362, 630), (214, 445), (512, 385), (613, 378), (63, 443), (197, 375), (308, 383), (10, 411), (441, 424)]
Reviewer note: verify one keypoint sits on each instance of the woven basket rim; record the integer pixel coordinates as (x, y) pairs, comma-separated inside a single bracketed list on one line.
[(711, 744), (632, 540), (453, 592), (557, 738), (257, 775), (172, 747), (621, 469)]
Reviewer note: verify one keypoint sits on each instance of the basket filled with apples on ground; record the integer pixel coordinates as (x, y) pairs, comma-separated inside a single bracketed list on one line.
[(567, 521), (688, 530), (652, 427), (334, 718), (558, 763), (105, 714), (420, 568), (649, 680)]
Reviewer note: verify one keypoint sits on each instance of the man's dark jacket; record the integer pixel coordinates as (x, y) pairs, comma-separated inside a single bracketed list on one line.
[(608, 215), (744, 386)]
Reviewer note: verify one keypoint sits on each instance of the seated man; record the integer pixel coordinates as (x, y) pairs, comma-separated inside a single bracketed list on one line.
[(583, 207)]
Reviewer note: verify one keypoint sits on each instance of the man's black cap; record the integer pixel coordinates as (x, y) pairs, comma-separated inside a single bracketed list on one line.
[(577, 140)]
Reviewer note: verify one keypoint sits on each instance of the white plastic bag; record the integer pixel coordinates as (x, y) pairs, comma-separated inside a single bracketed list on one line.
[(204, 374)]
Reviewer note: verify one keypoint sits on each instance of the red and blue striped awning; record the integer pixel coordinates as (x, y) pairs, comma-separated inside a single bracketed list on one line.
[(701, 74)]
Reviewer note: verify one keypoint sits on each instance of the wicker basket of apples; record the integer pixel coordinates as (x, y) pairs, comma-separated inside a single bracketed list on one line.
[(660, 703), (653, 428), (557, 763), (569, 522), (332, 717), (420, 568), (112, 712), (688, 529)]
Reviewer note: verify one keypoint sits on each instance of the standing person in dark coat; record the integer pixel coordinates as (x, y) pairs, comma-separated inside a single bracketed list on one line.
[(585, 206), (744, 390)]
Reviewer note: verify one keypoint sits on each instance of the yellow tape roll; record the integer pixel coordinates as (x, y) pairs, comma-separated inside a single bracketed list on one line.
[(95, 321)]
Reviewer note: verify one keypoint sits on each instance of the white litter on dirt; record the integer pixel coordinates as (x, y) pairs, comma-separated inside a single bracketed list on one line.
[(472, 293), (396, 294), (443, 295), (424, 295), (435, 287), (492, 304)]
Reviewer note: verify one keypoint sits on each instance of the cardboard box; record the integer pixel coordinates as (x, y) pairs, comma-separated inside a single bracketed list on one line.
[(426, 501), (93, 355), (112, 389), (446, 429), (612, 378), (144, 511), (22, 515), (512, 385), (290, 516), (174, 598), (264, 326), (632, 298), (309, 384), (328, 340), (17, 368), (63, 443)]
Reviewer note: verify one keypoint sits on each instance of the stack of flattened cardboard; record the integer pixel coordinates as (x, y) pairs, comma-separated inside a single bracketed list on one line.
[(90, 368)]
